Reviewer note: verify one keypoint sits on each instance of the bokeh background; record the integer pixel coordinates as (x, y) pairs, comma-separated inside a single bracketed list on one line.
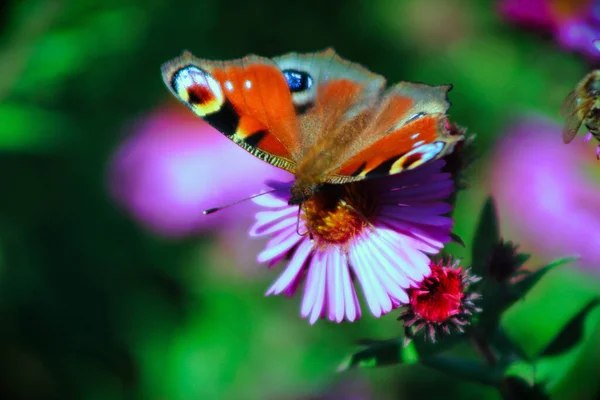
[(113, 285)]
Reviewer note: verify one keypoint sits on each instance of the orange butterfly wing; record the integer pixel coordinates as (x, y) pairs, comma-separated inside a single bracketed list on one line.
[(411, 128), (403, 149), (248, 100)]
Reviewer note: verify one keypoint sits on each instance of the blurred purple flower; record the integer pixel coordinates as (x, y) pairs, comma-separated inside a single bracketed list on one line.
[(376, 231), (174, 166), (535, 13), (540, 182), (574, 23)]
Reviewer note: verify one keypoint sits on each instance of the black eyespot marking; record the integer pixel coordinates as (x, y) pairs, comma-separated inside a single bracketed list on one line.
[(186, 76), (196, 87), (199, 95), (297, 81)]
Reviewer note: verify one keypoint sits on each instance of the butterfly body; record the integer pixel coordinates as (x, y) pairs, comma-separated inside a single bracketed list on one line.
[(325, 119)]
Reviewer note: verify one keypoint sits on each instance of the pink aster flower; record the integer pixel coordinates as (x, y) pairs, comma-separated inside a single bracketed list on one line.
[(547, 187), (574, 24), (376, 233), (174, 166)]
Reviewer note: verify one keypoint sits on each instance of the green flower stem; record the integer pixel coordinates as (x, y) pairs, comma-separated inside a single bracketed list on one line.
[(486, 352), (483, 347)]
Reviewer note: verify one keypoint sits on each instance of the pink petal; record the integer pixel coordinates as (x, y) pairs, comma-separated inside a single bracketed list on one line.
[(293, 268), (279, 245)]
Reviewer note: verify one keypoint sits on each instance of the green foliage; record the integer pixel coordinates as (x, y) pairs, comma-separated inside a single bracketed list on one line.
[(93, 306), (379, 353), (486, 237), (504, 364), (30, 129), (571, 334)]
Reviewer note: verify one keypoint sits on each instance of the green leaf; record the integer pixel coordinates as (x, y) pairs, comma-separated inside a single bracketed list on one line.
[(379, 353), (571, 334), (558, 359), (555, 366), (515, 387), (521, 259), (498, 297), (466, 369), (457, 239), (505, 346), (520, 382), (522, 287), (521, 369), (486, 237)]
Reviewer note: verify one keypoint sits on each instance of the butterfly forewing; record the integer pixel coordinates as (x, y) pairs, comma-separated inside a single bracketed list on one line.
[(248, 100), (322, 67)]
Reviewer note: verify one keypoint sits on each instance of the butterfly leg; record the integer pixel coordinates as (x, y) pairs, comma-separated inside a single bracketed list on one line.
[(308, 231), (357, 211)]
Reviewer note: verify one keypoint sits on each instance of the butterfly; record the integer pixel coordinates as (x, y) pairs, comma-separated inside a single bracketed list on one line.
[(324, 119)]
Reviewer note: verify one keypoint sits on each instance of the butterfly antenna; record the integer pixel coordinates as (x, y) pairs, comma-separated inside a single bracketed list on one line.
[(215, 209)]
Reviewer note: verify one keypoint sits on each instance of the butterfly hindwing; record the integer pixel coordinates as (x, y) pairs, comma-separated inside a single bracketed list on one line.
[(409, 129), (248, 100)]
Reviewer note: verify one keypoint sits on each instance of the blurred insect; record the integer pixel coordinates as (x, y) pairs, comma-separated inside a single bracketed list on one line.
[(582, 106)]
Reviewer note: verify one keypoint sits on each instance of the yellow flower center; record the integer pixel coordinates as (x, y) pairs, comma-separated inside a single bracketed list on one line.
[(338, 213)]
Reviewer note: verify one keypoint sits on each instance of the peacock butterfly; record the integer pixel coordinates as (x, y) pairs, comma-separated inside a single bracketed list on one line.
[(316, 115)]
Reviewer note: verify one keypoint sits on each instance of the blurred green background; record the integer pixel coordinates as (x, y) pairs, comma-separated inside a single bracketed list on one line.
[(94, 306)]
